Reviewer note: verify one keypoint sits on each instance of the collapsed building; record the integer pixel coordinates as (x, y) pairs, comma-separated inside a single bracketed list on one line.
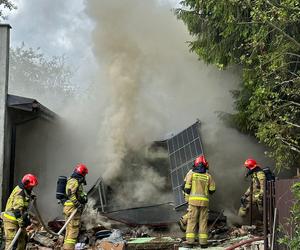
[(180, 151)]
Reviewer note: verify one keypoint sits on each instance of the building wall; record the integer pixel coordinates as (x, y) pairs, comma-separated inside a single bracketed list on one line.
[(35, 154)]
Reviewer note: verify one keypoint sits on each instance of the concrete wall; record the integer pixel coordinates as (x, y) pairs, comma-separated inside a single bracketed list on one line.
[(4, 68)]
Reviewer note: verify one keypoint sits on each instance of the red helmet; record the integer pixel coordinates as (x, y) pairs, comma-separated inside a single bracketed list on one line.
[(29, 181), (250, 164), (81, 169), (201, 159)]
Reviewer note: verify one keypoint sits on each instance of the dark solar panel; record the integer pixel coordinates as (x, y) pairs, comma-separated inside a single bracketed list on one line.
[(183, 148)]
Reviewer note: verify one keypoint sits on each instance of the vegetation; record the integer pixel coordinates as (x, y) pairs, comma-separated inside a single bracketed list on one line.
[(32, 74), (263, 37), (292, 239), (6, 4)]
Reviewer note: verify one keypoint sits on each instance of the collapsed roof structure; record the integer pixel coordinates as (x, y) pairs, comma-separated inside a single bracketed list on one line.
[(181, 149)]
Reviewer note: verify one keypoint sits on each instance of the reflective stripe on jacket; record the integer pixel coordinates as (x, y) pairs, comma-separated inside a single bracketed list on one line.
[(74, 191), (18, 202), (200, 185)]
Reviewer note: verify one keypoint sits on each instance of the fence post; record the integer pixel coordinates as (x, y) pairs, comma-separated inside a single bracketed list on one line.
[(265, 217)]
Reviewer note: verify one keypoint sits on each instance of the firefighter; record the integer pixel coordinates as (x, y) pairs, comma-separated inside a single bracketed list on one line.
[(199, 184), (15, 215), (184, 218), (77, 198), (258, 179)]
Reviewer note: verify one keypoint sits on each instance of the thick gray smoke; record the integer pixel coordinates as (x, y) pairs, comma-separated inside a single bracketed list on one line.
[(157, 86), (147, 86)]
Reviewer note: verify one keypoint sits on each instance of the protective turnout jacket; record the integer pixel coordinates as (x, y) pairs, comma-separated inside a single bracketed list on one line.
[(75, 192), (258, 178), (17, 205), (199, 185)]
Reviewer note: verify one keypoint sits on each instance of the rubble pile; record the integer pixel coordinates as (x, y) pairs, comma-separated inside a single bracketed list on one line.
[(126, 237)]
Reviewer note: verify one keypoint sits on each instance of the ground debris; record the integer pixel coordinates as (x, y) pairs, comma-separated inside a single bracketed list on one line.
[(44, 240), (152, 243), (105, 234)]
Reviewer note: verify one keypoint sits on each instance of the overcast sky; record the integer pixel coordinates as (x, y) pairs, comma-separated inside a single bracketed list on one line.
[(57, 28)]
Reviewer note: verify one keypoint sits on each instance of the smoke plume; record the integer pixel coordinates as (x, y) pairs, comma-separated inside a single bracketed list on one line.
[(156, 86)]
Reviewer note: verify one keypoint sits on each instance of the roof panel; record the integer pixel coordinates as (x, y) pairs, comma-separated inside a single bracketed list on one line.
[(181, 158)]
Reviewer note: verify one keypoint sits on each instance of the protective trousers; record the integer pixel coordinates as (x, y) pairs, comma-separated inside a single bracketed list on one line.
[(72, 229), (10, 231), (245, 208), (197, 214)]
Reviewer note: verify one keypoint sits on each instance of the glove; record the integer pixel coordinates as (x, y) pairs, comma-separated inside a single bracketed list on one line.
[(21, 223), (26, 220), (33, 196), (83, 199), (258, 196)]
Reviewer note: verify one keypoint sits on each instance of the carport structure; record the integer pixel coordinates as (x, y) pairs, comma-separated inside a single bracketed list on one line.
[(15, 111)]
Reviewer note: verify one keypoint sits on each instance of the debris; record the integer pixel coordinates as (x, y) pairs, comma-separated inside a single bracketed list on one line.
[(115, 242), (105, 245), (243, 230), (142, 231), (56, 224), (102, 234), (115, 237), (80, 246), (152, 243), (43, 240)]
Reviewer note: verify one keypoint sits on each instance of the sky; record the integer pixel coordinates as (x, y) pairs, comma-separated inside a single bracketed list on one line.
[(58, 28)]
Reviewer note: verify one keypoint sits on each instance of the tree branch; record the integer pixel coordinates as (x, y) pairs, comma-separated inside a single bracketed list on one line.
[(284, 33), (292, 54), (292, 124), (277, 28), (292, 147)]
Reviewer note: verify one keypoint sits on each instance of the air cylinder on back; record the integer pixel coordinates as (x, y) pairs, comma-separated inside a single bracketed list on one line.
[(61, 188)]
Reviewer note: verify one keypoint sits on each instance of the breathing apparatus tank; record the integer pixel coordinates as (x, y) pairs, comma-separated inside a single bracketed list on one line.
[(61, 189)]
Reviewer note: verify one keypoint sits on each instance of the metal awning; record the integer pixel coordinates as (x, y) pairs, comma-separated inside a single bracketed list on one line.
[(29, 105)]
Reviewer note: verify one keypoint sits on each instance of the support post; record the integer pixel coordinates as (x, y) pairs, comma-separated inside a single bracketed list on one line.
[(251, 203), (265, 218), (4, 70)]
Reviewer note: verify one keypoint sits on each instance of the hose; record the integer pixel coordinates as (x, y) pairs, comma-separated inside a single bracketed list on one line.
[(15, 239), (41, 220), (67, 222), (44, 225), (234, 246)]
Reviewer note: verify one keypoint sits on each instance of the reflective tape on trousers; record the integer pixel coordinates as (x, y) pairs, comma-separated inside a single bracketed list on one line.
[(190, 235), (203, 236), (70, 241)]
